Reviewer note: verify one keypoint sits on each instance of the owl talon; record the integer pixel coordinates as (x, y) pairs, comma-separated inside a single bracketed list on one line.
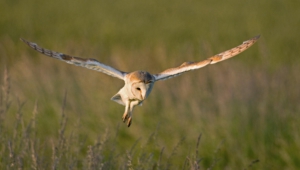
[(129, 121), (125, 117)]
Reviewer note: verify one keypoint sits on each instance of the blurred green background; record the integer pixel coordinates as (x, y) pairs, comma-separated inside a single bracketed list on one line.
[(246, 108)]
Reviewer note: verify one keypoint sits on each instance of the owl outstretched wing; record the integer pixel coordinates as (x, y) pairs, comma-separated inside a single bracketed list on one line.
[(87, 63), (188, 66)]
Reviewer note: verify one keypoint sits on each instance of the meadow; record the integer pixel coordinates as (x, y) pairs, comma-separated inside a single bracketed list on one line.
[(243, 113)]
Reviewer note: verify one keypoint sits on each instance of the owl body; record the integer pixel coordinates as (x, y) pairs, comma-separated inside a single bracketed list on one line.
[(138, 84)]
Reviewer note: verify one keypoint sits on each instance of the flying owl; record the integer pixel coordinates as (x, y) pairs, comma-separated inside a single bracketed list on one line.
[(138, 84)]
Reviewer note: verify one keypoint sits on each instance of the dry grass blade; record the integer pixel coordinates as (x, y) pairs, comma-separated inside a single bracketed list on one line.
[(215, 159), (34, 158), (193, 161), (129, 161), (90, 156), (55, 159), (159, 159), (197, 146), (197, 160), (19, 125), (11, 155), (4, 95), (61, 148), (33, 119), (174, 151)]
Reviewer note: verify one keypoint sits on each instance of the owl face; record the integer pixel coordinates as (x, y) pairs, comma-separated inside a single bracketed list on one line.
[(141, 90), (140, 85)]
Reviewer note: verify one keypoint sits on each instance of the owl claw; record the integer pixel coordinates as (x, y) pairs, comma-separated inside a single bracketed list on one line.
[(129, 121), (125, 117)]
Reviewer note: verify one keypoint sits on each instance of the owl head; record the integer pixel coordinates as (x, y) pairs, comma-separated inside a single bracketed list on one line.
[(138, 86)]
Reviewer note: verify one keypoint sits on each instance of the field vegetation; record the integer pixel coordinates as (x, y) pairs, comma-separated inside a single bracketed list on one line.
[(243, 113)]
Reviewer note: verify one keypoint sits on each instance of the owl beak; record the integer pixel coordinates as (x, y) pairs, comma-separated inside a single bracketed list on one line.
[(143, 94), (146, 90)]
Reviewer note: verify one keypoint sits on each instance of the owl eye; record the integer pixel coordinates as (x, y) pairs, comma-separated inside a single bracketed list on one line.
[(138, 89)]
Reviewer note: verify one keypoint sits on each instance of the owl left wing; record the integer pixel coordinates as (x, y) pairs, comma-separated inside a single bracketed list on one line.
[(188, 66), (87, 63)]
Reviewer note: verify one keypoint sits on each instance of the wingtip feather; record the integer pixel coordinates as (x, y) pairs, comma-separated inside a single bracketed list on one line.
[(23, 40), (256, 37)]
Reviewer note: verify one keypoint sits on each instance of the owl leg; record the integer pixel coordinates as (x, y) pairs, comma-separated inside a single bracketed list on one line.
[(125, 115), (132, 105)]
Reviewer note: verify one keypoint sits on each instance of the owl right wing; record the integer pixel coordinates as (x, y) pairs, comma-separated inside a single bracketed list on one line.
[(87, 63), (188, 66)]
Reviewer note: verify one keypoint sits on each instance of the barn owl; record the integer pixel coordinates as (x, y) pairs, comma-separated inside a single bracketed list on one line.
[(138, 84)]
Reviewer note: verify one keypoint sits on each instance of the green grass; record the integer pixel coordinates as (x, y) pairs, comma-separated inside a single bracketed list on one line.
[(59, 116)]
